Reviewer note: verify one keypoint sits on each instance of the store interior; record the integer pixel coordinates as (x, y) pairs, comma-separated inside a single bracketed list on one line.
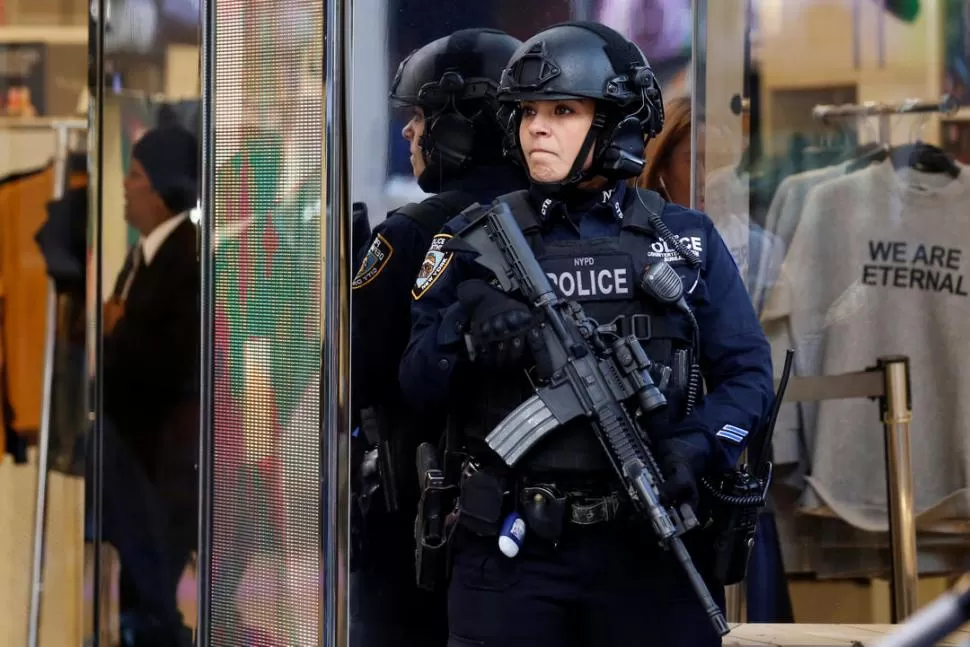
[(786, 95)]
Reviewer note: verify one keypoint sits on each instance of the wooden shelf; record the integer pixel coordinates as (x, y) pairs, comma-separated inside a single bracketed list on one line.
[(806, 635), (49, 34)]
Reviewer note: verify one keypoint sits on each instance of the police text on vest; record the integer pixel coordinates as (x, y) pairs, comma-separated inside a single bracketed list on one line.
[(590, 277)]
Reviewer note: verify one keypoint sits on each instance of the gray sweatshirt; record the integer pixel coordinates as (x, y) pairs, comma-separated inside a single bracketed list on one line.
[(878, 265)]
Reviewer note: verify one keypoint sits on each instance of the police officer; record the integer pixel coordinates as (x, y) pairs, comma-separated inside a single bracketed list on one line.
[(581, 101), (450, 88)]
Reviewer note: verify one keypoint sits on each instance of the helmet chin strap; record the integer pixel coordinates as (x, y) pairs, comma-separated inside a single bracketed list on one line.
[(435, 174), (576, 175)]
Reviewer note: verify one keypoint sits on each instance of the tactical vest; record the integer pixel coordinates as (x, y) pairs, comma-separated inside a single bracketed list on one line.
[(602, 274)]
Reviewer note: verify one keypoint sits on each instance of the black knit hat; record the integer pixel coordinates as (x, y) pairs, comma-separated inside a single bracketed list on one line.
[(170, 157)]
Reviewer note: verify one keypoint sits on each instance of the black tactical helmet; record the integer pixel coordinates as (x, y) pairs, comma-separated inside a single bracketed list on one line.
[(454, 80), (588, 60)]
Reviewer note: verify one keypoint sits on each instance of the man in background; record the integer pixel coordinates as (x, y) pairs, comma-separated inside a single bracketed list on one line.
[(150, 365)]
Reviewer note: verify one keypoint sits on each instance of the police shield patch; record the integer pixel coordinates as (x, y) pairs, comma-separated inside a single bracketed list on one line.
[(374, 262), (434, 264)]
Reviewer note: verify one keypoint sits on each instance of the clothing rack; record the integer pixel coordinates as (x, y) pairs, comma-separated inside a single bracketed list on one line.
[(62, 130), (825, 114)]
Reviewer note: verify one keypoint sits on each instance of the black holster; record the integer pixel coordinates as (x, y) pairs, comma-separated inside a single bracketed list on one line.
[(434, 523), (374, 426)]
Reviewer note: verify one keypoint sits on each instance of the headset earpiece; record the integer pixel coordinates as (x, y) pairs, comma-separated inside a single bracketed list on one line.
[(452, 136), (622, 156)]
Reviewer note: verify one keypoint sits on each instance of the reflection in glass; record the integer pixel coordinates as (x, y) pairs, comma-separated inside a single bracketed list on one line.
[(833, 189), (149, 371), (142, 502)]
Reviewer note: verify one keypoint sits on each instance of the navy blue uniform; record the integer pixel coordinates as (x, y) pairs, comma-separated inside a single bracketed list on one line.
[(380, 326), (602, 583), (734, 354), (387, 608)]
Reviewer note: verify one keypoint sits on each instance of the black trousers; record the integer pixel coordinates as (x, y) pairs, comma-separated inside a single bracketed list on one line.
[(606, 585), (387, 609)]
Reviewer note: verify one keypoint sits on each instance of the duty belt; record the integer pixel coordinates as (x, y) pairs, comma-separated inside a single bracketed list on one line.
[(581, 508), (585, 510)]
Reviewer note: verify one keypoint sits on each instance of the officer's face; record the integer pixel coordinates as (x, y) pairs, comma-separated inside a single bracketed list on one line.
[(413, 131), (552, 132)]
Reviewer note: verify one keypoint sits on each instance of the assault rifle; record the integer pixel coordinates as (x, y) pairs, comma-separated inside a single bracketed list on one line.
[(592, 377)]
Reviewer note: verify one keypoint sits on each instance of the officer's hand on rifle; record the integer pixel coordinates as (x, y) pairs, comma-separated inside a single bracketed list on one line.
[(498, 324), (683, 460)]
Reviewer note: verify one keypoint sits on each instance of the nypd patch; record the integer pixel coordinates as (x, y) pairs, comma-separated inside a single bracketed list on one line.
[(374, 262), (434, 265)]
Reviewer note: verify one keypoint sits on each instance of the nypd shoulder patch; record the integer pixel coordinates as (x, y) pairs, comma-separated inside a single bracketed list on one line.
[(374, 262), (434, 265)]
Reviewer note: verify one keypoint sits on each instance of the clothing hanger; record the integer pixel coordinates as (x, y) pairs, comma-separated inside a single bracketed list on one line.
[(925, 158), (920, 156), (917, 155)]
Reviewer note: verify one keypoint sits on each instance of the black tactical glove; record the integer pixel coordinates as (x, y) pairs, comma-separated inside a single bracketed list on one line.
[(499, 324), (684, 461)]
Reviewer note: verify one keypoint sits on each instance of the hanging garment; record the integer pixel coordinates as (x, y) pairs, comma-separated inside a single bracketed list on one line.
[(781, 220), (23, 210), (757, 252), (63, 242), (24, 151), (786, 206), (4, 404), (877, 266)]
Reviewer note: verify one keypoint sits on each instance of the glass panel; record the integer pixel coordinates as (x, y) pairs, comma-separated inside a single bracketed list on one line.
[(832, 153), (142, 503), (43, 413), (264, 226)]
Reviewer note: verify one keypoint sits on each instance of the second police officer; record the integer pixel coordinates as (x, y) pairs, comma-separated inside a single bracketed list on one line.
[(449, 87), (582, 100)]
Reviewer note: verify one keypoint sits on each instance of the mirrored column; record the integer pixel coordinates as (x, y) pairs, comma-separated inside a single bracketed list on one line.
[(263, 269)]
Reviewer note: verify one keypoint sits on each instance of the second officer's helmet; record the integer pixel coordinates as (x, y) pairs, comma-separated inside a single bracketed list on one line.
[(576, 60), (454, 80)]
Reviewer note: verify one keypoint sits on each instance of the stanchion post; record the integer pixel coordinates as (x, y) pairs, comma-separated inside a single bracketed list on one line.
[(896, 412), (735, 607)]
